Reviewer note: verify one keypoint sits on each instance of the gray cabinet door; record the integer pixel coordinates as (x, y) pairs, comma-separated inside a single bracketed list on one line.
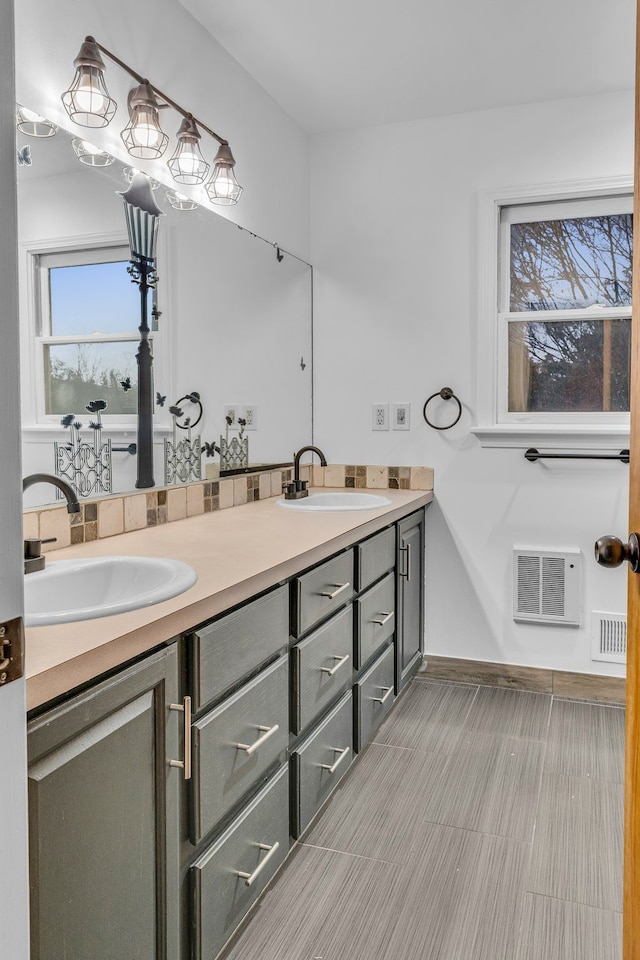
[(410, 588), (103, 819)]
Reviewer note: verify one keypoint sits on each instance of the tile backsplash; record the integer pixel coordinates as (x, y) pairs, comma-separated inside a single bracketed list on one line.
[(109, 516)]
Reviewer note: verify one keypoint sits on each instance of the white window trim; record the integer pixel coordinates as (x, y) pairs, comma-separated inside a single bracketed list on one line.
[(37, 426), (555, 431)]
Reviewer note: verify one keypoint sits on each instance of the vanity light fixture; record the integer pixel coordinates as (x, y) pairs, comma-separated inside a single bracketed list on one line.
[(187, 165), (179, 202), (129, 173), (91, 155), (223, 188), (88, 103), (32, 124), (87, 100)]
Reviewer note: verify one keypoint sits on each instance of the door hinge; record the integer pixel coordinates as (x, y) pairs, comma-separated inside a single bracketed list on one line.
[(11, 650)]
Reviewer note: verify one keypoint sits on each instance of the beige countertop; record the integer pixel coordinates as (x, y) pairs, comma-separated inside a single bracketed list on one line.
[(236, 553)]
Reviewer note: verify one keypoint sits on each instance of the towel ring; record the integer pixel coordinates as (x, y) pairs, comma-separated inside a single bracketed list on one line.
[(195, 399), (447, 394)]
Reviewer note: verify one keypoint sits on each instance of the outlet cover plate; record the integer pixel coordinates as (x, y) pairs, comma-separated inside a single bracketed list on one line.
[(379, 416), (250, 414)]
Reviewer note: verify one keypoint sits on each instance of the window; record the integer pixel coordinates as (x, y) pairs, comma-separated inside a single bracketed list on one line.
[(86, 332), (557, 316)]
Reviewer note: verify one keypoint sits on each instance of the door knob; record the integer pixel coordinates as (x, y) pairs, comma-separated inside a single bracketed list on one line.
[(611, 552)]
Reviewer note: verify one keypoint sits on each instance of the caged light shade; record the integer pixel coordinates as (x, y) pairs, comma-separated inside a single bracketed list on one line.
[(87, 100), (142, 214), (91, 155), (223, 188), (187, 165), (32, 124), (143, 136)]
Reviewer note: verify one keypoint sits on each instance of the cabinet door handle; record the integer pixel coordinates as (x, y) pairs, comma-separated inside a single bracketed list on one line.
[(385, 696), (339, 588), (385, 618), (249, 749), (185, 708), (407, 572), (331, 670), (334, 766), (250, 878)]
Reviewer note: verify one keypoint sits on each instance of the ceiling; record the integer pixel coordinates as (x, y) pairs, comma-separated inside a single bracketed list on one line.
[(337, 64)]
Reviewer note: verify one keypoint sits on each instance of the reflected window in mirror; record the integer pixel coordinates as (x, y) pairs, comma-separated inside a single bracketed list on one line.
[(86, 325)]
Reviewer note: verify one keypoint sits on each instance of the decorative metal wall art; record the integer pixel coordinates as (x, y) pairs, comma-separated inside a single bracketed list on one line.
[(234, 452), (183, 457), (86, 466)]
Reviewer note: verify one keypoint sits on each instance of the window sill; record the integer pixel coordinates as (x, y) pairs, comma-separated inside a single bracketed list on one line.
[(46, 433), (555, 437)]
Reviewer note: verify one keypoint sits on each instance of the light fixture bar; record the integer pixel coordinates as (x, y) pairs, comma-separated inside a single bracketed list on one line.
[(163, 96)]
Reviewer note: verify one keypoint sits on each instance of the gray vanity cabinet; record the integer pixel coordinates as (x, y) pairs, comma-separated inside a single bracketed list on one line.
[(103, 819), (410, 596)]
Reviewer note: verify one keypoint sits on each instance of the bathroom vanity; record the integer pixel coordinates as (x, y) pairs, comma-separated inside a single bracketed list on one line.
[(166, 791)]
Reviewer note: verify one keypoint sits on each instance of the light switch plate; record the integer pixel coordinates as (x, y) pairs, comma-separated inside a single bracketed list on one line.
[(401, 416)]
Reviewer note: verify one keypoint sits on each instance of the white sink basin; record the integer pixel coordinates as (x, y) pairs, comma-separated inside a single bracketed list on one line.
[(69, 590), (337, 501)]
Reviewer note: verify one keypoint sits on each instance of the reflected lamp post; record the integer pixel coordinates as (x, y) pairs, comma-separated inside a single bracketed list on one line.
[(143, 214)]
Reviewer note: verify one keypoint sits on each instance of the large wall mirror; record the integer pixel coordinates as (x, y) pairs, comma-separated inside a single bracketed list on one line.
[(235, 320)]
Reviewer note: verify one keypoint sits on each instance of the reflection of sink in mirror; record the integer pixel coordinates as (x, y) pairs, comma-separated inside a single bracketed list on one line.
[(225, 301), (337, 501), (83, 589)]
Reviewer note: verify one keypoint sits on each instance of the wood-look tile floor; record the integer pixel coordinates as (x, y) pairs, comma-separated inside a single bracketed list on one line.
[(481, 824)]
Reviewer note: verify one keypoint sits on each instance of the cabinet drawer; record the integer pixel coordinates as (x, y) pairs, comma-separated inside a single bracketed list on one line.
[(321, 762), (321, 591), (376, 618), (374, 693), (322, 667), (220, 896), (376, 556), (221, 653), (226, 761)]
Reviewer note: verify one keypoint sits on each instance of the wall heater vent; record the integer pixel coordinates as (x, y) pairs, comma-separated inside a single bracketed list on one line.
[(609, 637), (546, 586)]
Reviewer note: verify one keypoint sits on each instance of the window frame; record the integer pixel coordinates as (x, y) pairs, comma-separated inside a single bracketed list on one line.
[(496, 426), (36, 423)]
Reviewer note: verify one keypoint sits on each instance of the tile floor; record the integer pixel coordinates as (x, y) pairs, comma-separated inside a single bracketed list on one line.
[(481, 824)]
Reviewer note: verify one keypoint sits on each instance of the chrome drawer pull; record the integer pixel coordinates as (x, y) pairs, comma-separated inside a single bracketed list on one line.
[(249, 878), (385, 618), (387, 694), (339, 588), (336, 763), (184, 707), (331, 670), (251, 748)]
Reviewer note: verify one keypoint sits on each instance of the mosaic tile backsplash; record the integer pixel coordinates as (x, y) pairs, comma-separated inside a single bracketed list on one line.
[(109, 516)]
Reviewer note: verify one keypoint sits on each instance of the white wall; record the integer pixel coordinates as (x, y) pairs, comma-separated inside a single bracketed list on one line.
[(163, 42), (394, 246), (14, 934)]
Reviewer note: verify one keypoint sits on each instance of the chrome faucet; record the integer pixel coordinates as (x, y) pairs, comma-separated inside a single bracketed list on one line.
[(298, 488), (33, 559)]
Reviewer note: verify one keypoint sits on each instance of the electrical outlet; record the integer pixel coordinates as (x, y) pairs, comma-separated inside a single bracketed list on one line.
[(379, 416), (250, 414), (231, 410), (401, 416)]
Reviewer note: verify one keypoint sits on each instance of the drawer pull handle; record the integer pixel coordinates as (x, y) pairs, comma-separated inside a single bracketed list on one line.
[(249, 878), (385, 618), (334, 766), (339, 588), (407, 571), (251, 748), (387, 693), (185, 708), (331, 670)]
